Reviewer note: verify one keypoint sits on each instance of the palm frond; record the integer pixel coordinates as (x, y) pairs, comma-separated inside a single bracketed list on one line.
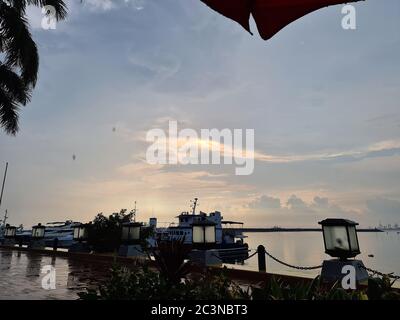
[(59, 6), (13, 85), (8, 113), (19, 48)]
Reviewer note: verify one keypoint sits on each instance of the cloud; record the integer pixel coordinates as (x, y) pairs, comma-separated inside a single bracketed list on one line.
[(265, 202), (387, 209), (318, 207), (321, 202), (106, 5), (386, 148), (296, 203)]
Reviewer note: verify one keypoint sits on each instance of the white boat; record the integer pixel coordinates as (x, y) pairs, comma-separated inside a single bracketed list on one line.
[(62, 231), (229, 239)]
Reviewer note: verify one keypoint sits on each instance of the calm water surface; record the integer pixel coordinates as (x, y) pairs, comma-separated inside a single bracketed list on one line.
[(20, 273), (307, 249)]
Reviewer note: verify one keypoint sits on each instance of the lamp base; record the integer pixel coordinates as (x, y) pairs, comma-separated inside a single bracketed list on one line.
[(37, 244), (332, 271), (205, 257), (132, 250)]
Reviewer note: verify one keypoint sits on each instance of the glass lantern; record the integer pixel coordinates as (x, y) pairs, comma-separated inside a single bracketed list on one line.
[(38, 232), (340, 238), (131, 232), (80, 232), (203, 234), (10, 232)]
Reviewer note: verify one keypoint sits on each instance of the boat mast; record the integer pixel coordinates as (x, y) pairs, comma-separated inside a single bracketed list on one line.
[(134, 213), (5, 218), (4, 182), (193, 206)]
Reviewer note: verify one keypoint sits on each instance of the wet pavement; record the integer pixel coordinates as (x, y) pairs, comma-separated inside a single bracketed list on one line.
[(27, 275)]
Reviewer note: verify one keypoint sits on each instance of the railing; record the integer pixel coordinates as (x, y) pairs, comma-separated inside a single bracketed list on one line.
[(261, 253)]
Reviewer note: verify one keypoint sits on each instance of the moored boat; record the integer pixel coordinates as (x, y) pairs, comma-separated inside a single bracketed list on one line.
[(229, 237)]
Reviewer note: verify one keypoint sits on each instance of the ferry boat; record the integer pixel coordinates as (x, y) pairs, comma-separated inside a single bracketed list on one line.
[(62, 231), (229, 236)]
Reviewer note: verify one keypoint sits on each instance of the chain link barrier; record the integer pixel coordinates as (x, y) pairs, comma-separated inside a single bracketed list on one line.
[(376, 272), (290, 265), (250, 256)]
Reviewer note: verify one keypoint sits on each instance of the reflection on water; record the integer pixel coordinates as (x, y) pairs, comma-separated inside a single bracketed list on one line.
[(21, 277)]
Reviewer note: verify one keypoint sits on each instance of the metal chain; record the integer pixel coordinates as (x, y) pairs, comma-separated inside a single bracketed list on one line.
[(291, 266), (250, 256), (389, 275)]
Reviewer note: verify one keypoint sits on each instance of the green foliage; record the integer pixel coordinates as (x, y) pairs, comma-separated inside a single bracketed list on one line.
[(381, 289), (19, 58), (276, 289), (142, 284), (170, 260), (215, 286), (146, 233), (104, 233)]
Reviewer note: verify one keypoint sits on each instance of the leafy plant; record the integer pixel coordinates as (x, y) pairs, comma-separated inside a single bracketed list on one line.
[(381, 289), (104, 233), (170, 260), (125, 284), (215, 286)]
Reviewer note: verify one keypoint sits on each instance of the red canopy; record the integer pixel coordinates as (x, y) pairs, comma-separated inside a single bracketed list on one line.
[(269, 15)]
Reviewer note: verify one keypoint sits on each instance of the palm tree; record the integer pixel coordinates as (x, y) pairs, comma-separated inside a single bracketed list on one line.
[(19, 60)]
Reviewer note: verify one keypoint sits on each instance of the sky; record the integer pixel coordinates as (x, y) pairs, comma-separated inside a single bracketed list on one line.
[(323, 102)]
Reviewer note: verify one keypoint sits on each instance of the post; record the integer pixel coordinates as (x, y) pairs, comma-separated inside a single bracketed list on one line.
[(55, 244), (261, 259), (2, 187), (20, 242)]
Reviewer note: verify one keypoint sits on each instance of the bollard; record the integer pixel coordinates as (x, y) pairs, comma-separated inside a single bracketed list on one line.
[(20, 242), (262, 267), (55, 244)]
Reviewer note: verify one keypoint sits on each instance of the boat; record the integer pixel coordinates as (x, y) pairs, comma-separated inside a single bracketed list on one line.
[(229, 236), (62, 231)]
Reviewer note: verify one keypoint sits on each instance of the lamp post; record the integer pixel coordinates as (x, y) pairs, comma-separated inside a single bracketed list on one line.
[(80, 232), (80, 237), (9, 235), (10, 232), (37, 237), (130, 240), (131, 232), (38, 231), (203, 235), (341, 242), (204, 252), (340, 238)]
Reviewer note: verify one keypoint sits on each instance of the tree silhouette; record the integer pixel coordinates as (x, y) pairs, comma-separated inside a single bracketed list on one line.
[(19, 60)]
